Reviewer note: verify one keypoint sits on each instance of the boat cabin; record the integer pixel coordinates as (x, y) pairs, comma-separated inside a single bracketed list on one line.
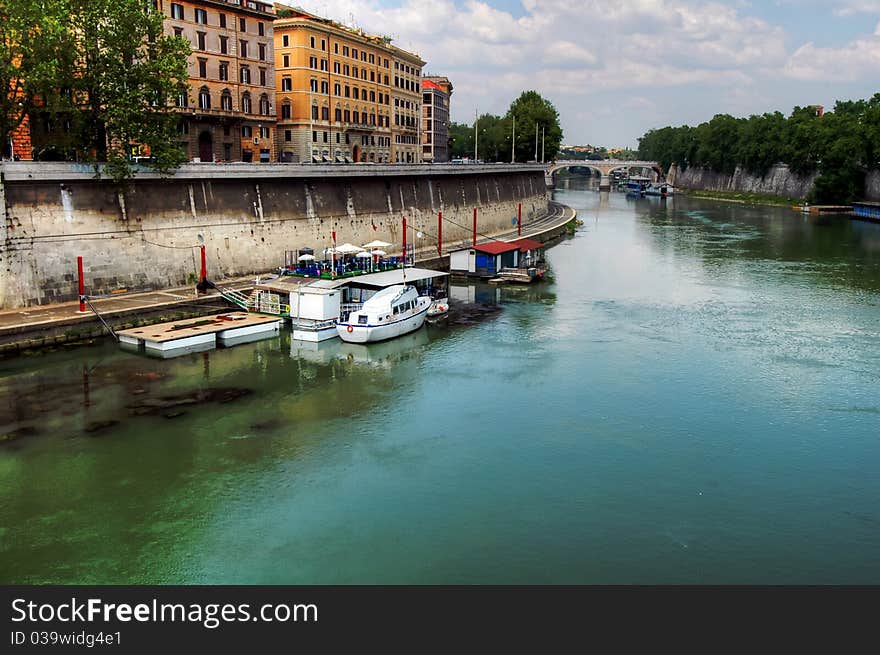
[(484, 259)]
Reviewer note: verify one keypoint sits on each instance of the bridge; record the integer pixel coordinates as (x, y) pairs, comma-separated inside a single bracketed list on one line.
[(602, 166)]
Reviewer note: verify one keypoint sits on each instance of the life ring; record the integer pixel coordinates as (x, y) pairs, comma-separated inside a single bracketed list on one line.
[(349, 329)]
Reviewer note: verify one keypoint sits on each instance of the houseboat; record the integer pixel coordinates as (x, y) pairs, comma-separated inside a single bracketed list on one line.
[(314, 305), (518, 261), (636, 184), (389, 313), (662, 189)]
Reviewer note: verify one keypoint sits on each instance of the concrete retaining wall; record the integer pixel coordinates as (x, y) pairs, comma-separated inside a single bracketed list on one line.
[(247, 216), (778, 181)]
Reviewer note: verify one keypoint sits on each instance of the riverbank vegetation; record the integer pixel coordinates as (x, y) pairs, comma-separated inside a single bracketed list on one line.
[(534, 115), (840, 146), (742, 197)]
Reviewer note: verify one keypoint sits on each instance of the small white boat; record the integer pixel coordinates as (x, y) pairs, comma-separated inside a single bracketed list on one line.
[(662, 189), (391, 312), (439, 308)]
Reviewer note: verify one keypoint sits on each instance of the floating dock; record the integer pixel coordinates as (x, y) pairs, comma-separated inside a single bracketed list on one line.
[(200, 334)]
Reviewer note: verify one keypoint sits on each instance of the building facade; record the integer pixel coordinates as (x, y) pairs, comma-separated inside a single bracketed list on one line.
[(436, 92), (334, 94), (229, 112), (406, 129)]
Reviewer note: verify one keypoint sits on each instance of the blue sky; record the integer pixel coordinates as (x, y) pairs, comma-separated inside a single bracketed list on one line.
[(617, 68)]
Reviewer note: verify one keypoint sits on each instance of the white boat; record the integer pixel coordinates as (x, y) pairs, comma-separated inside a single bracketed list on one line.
[(662, 189), (391, 312), (439, 308)]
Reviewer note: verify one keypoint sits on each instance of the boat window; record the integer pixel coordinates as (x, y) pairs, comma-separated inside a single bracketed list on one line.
[(396, 309), (362, 320)]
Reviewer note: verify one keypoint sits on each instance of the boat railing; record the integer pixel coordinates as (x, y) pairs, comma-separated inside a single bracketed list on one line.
[(346, 308)]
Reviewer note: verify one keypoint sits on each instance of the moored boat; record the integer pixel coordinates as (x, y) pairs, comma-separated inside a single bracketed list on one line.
[(662, 189), (392, 312)]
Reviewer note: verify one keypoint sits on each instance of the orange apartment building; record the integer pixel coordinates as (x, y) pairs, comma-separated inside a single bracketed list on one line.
[(229, 113), (336, 93)]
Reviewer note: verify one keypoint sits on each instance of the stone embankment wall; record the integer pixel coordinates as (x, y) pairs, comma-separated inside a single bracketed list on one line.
[(247, 216), (872, 186), (778, 181)]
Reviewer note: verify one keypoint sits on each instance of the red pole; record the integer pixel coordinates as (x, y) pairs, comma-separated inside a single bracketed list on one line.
[(404, 240), (519, 220), (82, 286), (475, 226), (204, 273), (440, 233), (333, 256)]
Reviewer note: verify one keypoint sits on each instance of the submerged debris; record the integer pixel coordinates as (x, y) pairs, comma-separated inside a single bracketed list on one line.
[(152, 406)]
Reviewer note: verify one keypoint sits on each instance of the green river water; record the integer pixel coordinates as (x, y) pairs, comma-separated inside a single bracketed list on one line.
[(694, 398)]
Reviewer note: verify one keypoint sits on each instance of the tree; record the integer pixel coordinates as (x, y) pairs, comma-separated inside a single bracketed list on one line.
[(462, 138), (127, 75), (34, 44), (534, 113)]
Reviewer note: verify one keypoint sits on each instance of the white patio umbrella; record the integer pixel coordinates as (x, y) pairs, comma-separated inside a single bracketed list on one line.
[(377, 244), (348, 249), (381, 253), (363, 254), (306, 257)]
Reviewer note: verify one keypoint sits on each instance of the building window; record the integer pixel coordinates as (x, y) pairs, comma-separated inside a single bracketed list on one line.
[(227, 151), (347, 117), (177, 11), (325, 113), (222, 20), (345, 70), (262, 77), (204, 98), (201, 38), (325, 86), (243, 47), (285, 41), (323, 44), (264, 133), (288, 135), (325, 65), (264, 105), (313, 62), (354, 53), (372, 96), (224, 71), (314, 113), (314, 135), (354, 71), (347, 91), (285, 61), (245, 77), (246, 131), (261, 29), (335, 48), (224, 45), (182, 100), (311, 42), (183, 127), (337, 115), (337, 89), (285, 111), (226, 101), (356, 116), (286, 84), (357, 93), (313, 85), (201, 16), (325, 137), (203, 68), (246, 103), (262, 49), (178, 32), (242, 25)]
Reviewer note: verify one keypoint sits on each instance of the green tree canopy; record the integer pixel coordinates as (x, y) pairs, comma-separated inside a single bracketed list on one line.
[(534, 115)]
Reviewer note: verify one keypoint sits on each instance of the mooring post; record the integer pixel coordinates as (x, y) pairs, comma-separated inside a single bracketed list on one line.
[(519, 219), (440, 233), (82, 285), (204, 274), (475, 227), (404, 241)]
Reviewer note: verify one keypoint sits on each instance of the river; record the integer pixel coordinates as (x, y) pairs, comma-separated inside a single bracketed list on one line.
[(694, 398)]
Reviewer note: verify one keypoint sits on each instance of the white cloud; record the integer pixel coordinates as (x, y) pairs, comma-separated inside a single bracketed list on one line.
[(576, 52)]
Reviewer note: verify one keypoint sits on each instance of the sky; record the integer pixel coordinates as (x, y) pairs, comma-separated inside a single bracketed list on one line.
[(615, 69)]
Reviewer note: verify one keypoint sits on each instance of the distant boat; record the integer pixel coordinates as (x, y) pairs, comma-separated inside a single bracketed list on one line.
[(660, 189), (636, 184), (389, 313)]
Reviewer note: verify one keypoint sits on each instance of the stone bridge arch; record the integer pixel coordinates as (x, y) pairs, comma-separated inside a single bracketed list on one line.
[(604, 167)]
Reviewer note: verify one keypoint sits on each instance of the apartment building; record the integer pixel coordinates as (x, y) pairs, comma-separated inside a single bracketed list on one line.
[(333, 89), (229, 112), (436, 92), (406, 142)]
